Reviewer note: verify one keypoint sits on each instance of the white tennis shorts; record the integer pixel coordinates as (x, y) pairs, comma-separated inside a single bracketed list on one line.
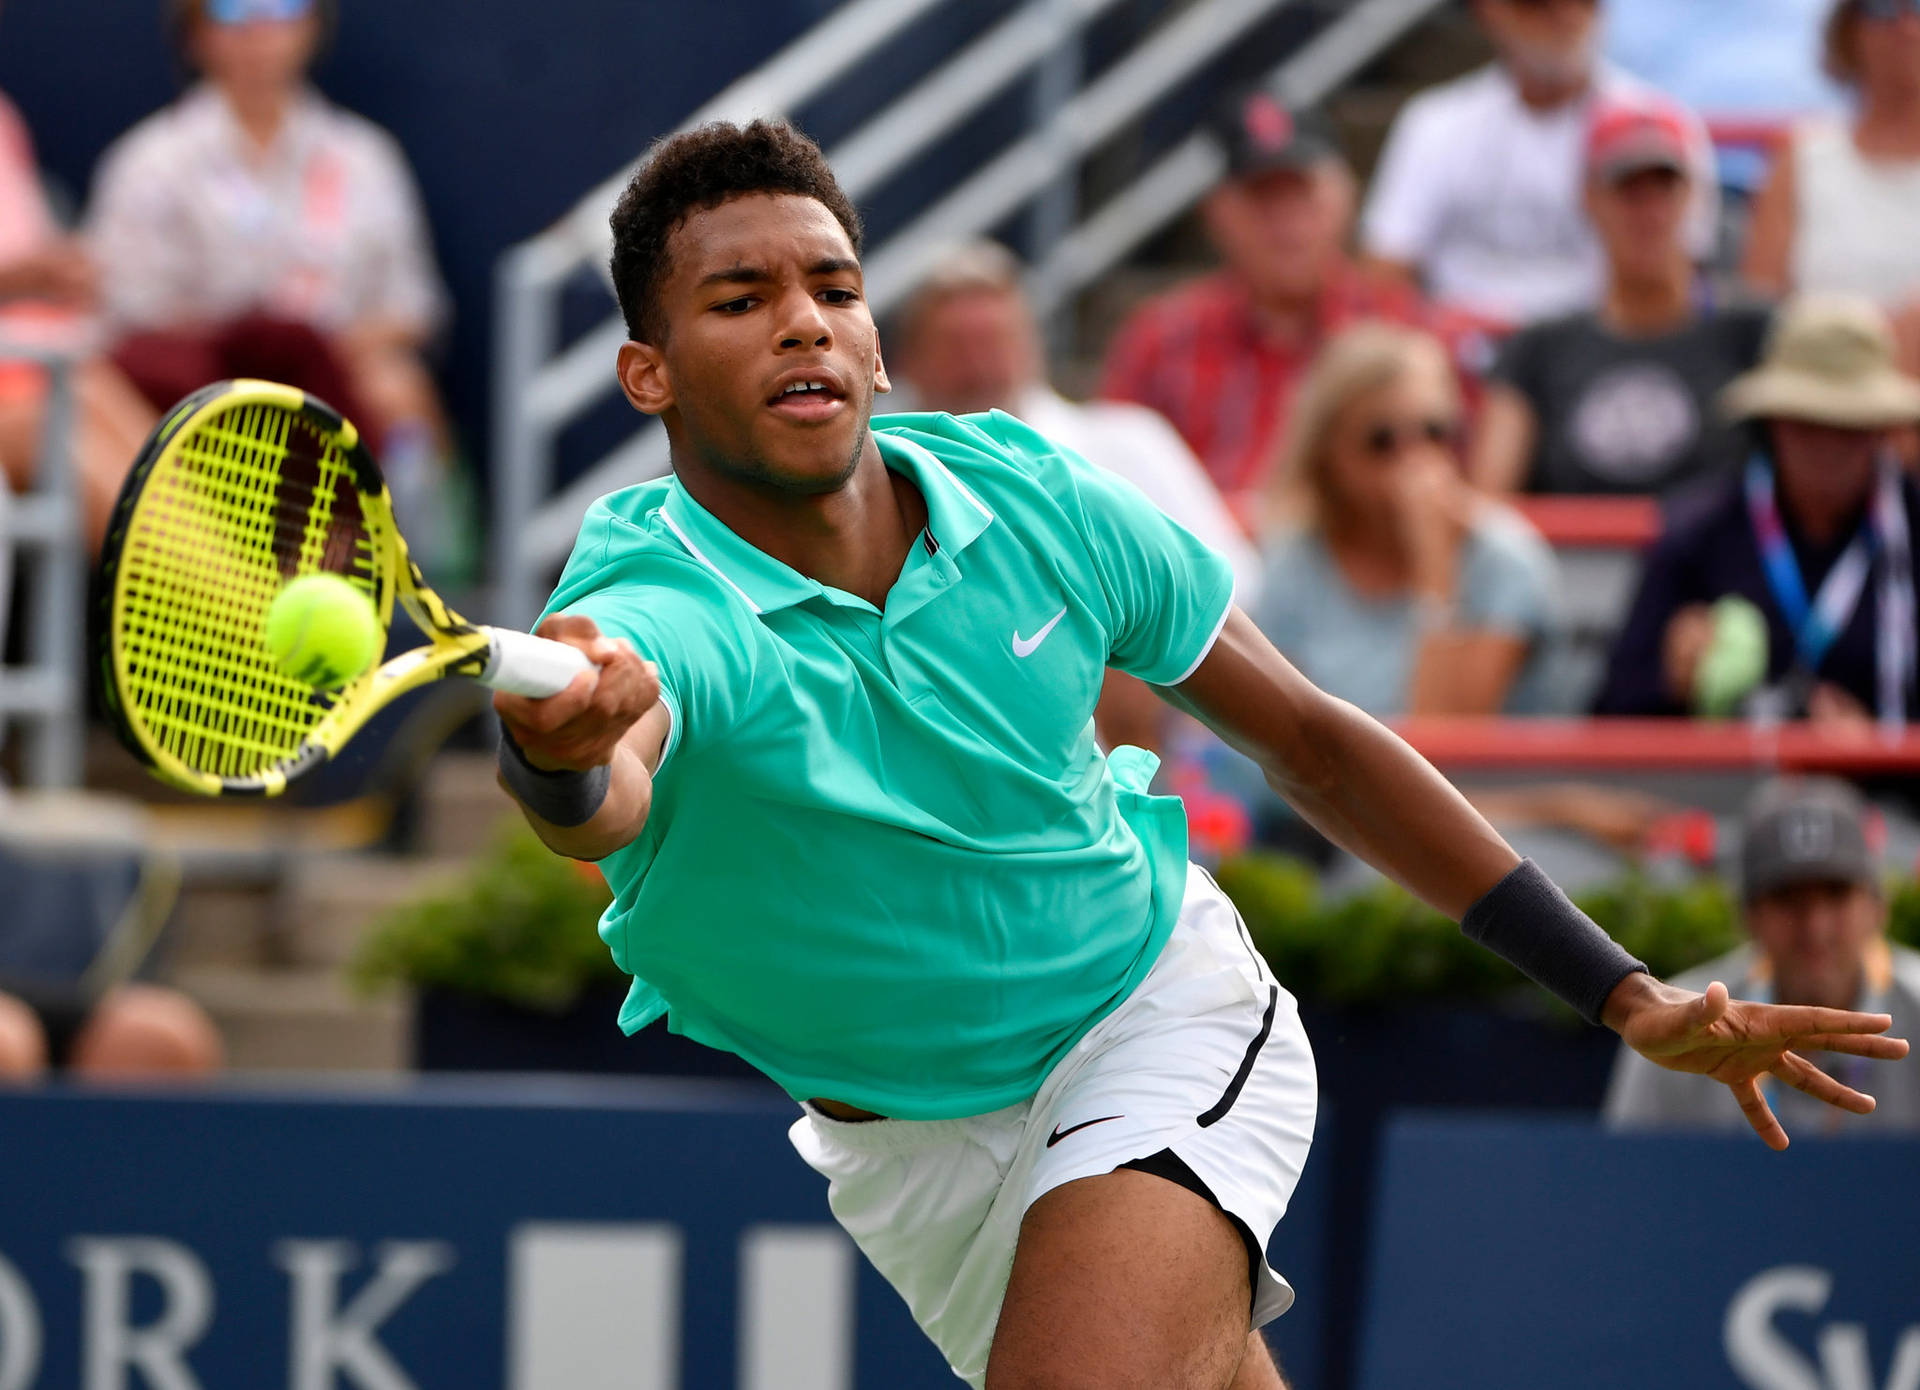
[(1206, 1058)]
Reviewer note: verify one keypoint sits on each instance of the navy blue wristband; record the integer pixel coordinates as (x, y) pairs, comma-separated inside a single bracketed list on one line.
[(1528, 922), (563, 798)]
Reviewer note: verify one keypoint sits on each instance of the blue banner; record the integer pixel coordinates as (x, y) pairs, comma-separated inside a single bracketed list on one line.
[(1520, 1254), (526, 1234)]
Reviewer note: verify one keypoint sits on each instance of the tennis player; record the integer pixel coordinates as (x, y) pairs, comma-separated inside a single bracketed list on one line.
[(838, 766)]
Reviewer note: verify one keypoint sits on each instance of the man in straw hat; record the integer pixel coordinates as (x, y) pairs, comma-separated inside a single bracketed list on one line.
[(1814, 907), (1786, 588)]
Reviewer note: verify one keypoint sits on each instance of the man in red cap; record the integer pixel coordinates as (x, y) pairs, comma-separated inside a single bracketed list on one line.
[(1221, 356), (1478, 189), (1619, 398)]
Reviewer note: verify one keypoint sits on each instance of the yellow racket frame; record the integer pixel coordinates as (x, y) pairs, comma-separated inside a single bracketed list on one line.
[(202, 539)]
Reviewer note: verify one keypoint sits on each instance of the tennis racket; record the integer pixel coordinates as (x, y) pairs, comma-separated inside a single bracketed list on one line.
[(244, 486)]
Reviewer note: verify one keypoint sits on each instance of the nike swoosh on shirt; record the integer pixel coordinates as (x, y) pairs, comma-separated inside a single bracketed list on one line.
[(1059, 1133), (1024, 646)]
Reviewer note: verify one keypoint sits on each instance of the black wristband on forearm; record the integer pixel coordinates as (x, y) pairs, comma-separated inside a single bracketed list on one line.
[(1528, 922), (564, 799)]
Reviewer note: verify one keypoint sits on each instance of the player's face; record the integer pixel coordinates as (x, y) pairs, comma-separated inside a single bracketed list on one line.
[(1816, 935), (764, 295)]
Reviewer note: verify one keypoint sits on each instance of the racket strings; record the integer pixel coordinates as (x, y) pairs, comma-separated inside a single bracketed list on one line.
[(240, 504)]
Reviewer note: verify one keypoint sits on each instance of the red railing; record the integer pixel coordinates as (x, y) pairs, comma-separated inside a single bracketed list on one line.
[(1659, 745), (1593, 523)]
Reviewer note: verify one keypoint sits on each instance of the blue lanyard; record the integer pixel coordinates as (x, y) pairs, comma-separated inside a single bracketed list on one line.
[(1816, 622)]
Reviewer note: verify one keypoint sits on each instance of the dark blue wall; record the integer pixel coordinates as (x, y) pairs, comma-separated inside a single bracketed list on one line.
[(510, 109)]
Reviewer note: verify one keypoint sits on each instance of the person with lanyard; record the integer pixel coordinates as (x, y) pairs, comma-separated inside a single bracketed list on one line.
[(1812, 904), (1785, 591)]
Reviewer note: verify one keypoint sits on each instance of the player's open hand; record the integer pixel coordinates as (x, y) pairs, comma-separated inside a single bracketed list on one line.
[(579, 728), (1740, 1043)]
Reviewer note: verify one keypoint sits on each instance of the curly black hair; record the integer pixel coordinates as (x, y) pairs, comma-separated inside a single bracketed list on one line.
[(699, 169)]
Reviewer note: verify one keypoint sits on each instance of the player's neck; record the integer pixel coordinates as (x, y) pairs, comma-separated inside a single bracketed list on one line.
[(854, 539)]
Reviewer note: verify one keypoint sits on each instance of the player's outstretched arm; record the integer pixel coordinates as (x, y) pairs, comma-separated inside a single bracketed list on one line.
[(586, 756), (1365, 789)]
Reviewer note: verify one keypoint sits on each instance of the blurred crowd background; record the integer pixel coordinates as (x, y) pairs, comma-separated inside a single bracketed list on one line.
[(1549, 370), (1551, 379)]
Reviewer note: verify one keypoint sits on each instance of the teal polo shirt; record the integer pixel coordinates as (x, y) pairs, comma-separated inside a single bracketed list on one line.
[(886, 862)]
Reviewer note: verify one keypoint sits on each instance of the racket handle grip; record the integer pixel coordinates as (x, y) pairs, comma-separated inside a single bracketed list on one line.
[(522, 664)]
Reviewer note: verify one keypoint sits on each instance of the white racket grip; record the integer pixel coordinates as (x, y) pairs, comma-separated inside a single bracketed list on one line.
[(522, 664)]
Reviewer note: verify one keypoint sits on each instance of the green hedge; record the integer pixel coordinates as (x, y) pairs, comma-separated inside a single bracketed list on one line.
[(521, 928)]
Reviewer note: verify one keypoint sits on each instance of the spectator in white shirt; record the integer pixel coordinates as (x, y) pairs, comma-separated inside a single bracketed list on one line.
[(1479, 189), (967, 342), (253, 228)]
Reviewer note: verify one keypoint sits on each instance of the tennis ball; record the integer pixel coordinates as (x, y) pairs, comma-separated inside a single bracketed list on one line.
[(322, 631)]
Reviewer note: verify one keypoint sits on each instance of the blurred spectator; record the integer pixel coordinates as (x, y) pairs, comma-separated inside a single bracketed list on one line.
[(1797, 568), (968, 343), (1811, 901), (47, 289), (137, 1031), (1478, 190), (1221, 357), (1621, 398), (1389, 581), (252, 228), (1838, 212)]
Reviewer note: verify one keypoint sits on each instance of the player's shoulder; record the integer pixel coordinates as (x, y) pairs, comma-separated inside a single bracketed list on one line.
[(991, 451), (627, 551)]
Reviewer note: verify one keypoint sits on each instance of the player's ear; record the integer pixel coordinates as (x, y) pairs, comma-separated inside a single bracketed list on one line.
[(642, 369), (880, 383)]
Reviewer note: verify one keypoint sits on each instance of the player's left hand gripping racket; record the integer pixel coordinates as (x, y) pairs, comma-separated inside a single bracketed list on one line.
[(244, 486)]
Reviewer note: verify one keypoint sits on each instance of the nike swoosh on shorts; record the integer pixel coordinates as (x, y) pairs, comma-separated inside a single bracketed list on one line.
[(1059, 1133)]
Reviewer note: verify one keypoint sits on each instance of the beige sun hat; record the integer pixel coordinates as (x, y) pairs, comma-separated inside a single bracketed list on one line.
[(1829, 361)]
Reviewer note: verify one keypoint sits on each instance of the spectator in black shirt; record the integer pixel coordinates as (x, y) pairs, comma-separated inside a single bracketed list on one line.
[(1620, 399), (1813, 534)]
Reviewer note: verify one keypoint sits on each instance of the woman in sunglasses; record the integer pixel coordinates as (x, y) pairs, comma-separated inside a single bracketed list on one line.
[(1389, 581), (1839, 210)]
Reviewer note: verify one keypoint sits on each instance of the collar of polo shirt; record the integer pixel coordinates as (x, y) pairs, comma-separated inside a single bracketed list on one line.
[(955, 519)]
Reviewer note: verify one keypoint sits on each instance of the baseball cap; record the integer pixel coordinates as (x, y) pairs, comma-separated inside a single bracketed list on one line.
[(1626, 137), (242, 11), (1260, 132), (1805, 830)]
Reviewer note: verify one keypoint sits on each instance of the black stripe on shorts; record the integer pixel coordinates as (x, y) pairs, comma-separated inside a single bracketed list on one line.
[(1218, 1110)]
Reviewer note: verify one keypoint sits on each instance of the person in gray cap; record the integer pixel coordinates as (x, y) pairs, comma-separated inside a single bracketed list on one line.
[(1812, 905)]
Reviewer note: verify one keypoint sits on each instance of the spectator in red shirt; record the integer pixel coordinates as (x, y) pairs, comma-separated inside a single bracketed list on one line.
[(1222, 357)]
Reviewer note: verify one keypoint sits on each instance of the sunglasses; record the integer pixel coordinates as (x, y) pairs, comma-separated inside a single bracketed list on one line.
[(244, 11), (1888, 9), (1385, 440)]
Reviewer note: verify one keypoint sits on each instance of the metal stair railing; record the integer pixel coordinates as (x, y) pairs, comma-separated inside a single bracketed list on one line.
[(45, 696), (540, 388)]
